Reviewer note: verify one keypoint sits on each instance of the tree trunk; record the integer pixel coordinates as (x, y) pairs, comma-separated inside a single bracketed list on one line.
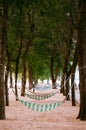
[(6, 82), (82, 58), (11, 80), (67, 52), (16, 76), (63, 76), (24, 66), (2, 88), (73, 90), (16, 70), (2, 58), (62, 84), (67, 86), (73, 68), (31, 85), (23, 77), (53, 78)]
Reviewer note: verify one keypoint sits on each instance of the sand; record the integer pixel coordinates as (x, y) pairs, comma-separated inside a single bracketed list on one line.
[(19, 117)]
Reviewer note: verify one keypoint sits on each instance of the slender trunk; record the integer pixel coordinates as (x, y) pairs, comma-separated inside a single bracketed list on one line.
[(6, 82), (17, 64), (11, 80), (73, 68), (31, 85), (73, 90), (24, 67), (63, 76), (67, 54), (65, 65), (52, 73), (16, 76), (23, 78), (62, 90), (2, 88), (67, 86), (19, 52)]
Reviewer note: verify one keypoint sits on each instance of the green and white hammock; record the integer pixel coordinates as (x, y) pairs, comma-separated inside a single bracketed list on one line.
[(41, 107), (41, 96)]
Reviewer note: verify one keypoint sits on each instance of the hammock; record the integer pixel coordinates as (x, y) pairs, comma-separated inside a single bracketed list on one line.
[(42, 96), (41, 107), (39, 97)]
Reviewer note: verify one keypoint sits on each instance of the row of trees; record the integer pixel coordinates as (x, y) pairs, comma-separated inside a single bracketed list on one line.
[(40, 39)]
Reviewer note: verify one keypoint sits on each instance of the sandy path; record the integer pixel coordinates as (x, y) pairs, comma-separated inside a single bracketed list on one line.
[(19, 117)]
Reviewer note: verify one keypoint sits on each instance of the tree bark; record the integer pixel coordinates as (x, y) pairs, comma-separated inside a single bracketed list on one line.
[(53, 74), (6, 82), (23, 77), (73, 90), (67, 86), (16, 70), (11, 80), (82, 57), (2, 88), (63, 76), (24, 67), (2, 58), (31, 85), (73, 68)]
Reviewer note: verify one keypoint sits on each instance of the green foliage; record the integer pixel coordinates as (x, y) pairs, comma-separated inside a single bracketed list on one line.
[(44, 23)]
